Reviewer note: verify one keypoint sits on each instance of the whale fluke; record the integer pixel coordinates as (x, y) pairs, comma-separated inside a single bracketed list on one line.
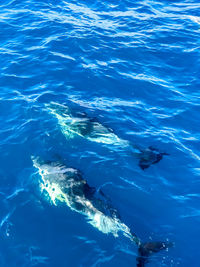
[(146, 249), (150, 156)]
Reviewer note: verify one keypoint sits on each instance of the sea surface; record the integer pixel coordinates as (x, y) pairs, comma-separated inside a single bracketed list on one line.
[(133, 65)]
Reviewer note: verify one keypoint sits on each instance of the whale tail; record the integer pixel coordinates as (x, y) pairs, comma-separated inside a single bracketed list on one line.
[(147, 249), (150, 156)]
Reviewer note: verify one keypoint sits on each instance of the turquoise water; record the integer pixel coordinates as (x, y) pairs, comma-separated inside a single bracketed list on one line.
[(132, 65)]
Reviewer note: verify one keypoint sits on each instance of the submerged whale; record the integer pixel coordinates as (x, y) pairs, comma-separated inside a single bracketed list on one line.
[(75, 123), (66, 185)]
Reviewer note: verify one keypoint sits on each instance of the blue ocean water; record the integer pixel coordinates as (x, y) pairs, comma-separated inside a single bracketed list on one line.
[(134, 65)]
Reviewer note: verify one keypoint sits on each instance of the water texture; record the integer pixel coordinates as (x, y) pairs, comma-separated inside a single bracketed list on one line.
[(134, 65)]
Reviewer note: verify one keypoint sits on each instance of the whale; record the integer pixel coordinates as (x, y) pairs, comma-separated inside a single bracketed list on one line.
[(74, 123), (63, 184)]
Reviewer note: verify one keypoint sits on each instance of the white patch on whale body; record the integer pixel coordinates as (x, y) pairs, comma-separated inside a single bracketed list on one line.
[(104, 223), (107, 225), (109, 139), (66, 122)]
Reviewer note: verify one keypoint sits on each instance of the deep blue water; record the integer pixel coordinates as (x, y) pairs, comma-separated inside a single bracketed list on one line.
[(134, 65)]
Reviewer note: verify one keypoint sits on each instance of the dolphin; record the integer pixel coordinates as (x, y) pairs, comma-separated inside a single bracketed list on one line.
[(74, 123), (66, 185)]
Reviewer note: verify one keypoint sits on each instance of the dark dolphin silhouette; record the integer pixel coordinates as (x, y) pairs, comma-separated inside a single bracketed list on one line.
[(74, 123), (150, 156)]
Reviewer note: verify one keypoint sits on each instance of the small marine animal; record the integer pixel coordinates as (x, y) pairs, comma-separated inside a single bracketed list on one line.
[(66, 185), (74, 123)]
